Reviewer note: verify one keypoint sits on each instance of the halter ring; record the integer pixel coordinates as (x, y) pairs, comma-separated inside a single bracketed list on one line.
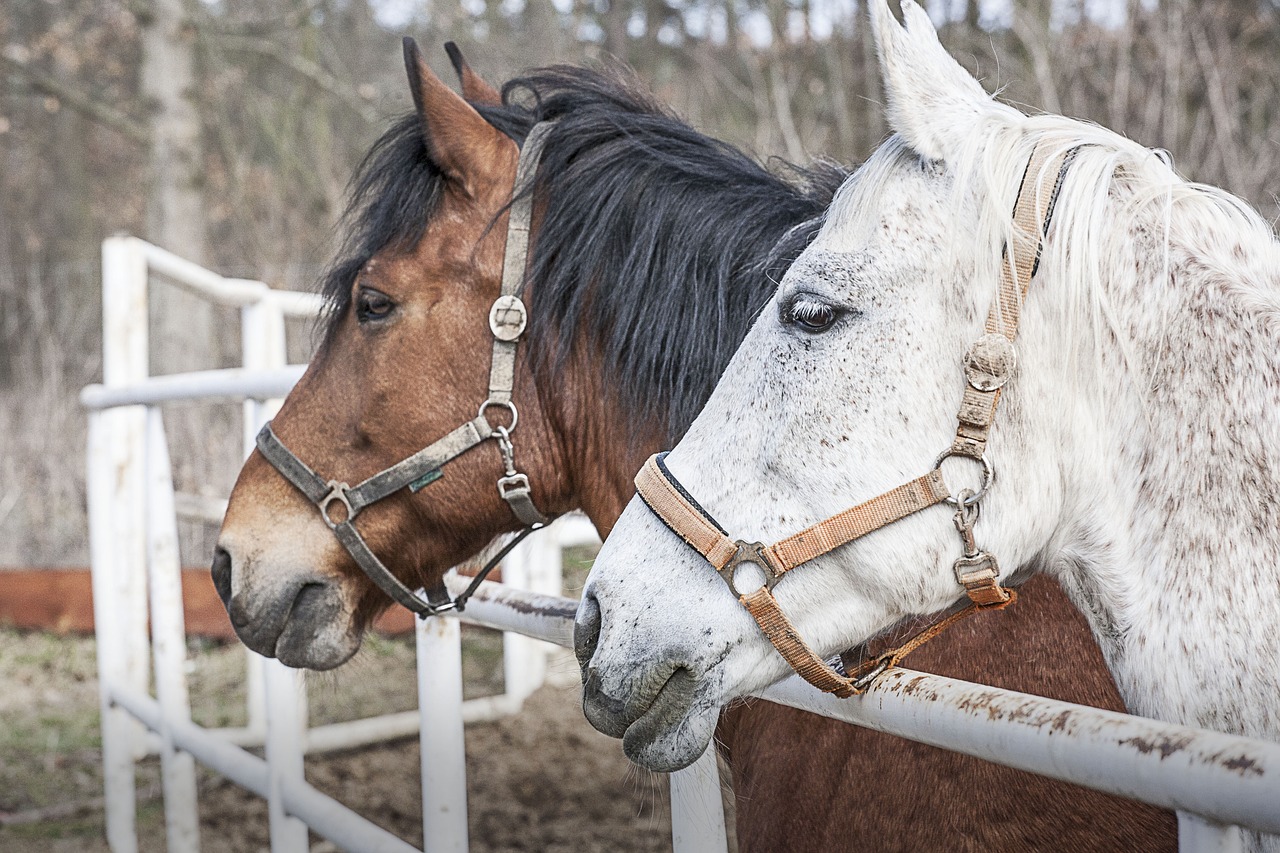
[(988, 477), (338, 493), (506, 404)]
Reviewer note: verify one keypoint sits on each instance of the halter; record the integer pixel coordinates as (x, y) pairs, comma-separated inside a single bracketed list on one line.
[(988, 365), (339, 503)]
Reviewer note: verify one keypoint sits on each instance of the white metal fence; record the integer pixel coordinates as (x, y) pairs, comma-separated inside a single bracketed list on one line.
[(1216, 782)]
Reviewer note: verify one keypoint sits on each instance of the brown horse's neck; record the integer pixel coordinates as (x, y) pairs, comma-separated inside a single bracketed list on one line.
[(602, 445)]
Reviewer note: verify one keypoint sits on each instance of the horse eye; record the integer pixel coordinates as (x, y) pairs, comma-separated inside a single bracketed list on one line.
[(372, 304), (811, 315)]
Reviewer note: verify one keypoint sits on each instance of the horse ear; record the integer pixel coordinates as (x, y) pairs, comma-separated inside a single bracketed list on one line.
[(474, 89), (463, 145), (932, 100)]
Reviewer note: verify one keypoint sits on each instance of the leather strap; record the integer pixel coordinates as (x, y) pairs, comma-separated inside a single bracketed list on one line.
[(858, 521), (1032, 213), (502, 368), (672, 503)]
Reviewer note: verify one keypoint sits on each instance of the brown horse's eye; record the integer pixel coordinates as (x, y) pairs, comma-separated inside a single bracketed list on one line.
[(372, 305)]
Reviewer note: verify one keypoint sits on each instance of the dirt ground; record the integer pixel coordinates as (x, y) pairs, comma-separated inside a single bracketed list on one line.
[(543, 780)]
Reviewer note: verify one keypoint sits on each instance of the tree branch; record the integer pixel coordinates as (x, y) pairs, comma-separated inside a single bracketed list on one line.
[(118, 121), (305, 68)]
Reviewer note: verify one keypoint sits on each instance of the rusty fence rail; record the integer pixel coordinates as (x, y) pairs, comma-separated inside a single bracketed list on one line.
[(1216, 782)]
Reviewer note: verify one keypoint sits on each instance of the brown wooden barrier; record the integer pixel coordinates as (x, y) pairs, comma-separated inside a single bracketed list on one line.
[(61, 600)]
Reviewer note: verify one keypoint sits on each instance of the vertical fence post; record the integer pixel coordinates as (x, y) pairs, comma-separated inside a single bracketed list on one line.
[(118, 728), (118, 541), (283, 697), (441, 735), (169, 642), (286, 727), (523, 662), (1198, 835), (262, 346), (697, 810)]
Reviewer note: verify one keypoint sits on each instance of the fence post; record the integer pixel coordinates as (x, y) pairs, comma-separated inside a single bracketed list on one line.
[(262, 346), (118, 542), (697, 809), (283, 698), (1198, 835), (441, 736), (169, 642), (523, 661)]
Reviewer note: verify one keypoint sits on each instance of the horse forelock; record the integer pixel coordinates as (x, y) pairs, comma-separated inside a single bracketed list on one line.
[(390, 199), (657, 241)]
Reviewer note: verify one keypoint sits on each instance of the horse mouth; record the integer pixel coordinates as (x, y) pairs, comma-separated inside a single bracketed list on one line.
[(665, 734), (306, 626), (673, 731)]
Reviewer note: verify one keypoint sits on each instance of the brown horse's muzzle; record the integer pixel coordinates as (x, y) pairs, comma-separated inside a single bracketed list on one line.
[(282, 608)]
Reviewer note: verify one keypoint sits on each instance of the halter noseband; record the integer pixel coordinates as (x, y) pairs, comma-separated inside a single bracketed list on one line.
[(988, 365), (507, 321)]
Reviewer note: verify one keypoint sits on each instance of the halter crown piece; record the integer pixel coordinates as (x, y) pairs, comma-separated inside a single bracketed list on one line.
[(988, 365), (340, 503)]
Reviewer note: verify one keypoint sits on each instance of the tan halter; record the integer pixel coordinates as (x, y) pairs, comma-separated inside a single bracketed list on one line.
[(988, 364)]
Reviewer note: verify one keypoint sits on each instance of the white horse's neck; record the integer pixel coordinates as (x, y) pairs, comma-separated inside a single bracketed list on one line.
[(1172, 540)]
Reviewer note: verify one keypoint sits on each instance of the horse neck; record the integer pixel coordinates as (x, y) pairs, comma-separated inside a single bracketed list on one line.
[(1170, 550), (601, 446)]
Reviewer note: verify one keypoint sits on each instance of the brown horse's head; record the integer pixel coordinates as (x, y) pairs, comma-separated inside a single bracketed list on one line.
[(405, 359), (652, 252)]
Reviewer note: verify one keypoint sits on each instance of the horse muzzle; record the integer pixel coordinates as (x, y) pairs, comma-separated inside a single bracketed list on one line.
[(305, 621), (653, 705)]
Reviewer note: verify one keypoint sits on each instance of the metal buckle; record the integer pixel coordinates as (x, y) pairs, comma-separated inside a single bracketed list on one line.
[(750, 552), (513, 485), (862, 682), (337, 492), (977, 570)]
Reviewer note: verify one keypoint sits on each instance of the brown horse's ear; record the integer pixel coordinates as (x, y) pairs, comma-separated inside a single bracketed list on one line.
[(474, 89), (464, 146)]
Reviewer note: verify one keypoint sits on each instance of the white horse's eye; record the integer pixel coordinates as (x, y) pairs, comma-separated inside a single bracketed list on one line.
[(810, 314)]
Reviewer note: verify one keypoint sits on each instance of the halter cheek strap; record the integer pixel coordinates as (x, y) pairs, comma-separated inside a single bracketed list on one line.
[(339, 503), (988, 365)]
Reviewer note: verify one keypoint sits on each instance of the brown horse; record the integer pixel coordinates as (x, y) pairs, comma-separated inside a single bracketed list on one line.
[(652, 250)]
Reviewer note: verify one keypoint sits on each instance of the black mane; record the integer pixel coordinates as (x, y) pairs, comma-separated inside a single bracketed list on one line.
[(659, 242)]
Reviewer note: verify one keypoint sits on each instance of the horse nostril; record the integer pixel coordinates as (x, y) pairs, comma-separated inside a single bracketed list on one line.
[(221, 573), (586, 630)]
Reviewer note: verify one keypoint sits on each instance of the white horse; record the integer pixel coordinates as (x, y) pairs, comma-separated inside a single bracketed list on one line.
[(1137, 445)]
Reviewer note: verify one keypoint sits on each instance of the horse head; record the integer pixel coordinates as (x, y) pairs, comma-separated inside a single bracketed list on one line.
[(872, 373), (651, 248), (405, 359)]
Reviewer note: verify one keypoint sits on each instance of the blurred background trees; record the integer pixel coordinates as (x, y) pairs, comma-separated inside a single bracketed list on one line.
[(225, 130)]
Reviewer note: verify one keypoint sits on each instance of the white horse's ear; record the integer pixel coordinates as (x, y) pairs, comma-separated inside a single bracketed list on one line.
[(932, 100)]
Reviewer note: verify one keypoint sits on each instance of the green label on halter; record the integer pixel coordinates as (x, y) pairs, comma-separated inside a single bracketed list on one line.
[(426, 480)]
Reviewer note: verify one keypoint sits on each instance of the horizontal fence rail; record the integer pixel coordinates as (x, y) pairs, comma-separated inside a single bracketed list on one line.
[(231, 383), (1226, 778)]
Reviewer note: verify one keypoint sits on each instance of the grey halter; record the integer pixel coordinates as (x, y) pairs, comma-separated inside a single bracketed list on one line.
[(507, 321)]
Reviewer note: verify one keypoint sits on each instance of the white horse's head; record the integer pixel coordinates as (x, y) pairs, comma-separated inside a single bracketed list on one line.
[(849, 385)]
